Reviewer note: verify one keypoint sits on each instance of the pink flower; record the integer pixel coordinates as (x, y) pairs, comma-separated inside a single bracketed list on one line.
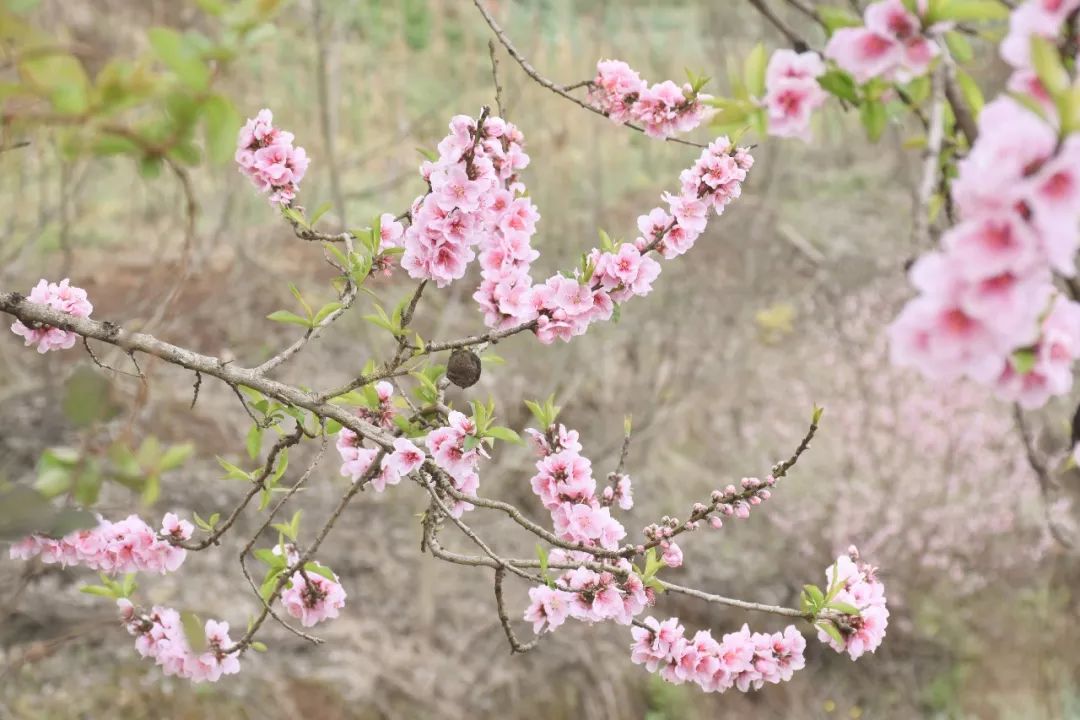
[(62, 297), (159, 634), (1043, 18), (663, 109), (129, 545), (267, 157), (405, 459), (792, 92), (390, 231), (860, 588), (549, 608), (892, 45), (672, 555), (313, 599)]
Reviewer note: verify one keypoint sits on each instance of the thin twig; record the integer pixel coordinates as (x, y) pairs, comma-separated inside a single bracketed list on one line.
[(533, 73), (495, 79), (516, 646)]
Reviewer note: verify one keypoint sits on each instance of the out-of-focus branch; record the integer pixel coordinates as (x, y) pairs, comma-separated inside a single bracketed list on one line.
[(1048, 486), (931, 159), (792, 37)]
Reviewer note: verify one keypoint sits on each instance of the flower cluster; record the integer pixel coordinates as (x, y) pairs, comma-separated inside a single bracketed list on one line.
[(792, 92), (472, 200), (662, 109), (892, 44), (356, 459), (565, 485), (1042, 18), (587, 595), (129, 545), (457, 450), (312, 597), (987, 308), (159, 634), (742, 659), (62, 297), (267, 157), (861, 589)]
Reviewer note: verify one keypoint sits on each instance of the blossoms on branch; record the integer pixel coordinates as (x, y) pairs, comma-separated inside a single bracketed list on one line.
[(266, 155), (987, 309), (565, 485), (474, 200), (742, 659), (564, 307), (892, 44), (457, 450), (311, 597), (587, 595), (129, 545), (859, 588), (159, 634), (662, 109), (792, 92), (62, 297)]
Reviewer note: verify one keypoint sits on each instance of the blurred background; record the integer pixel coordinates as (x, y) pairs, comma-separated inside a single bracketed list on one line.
[(782, 304)]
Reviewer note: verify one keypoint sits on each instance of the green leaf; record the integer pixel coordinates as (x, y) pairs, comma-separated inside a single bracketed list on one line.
[(834, 18), (503, 433), (234, 473), (971, 91), (967, 11), (194, 631), (150, 166), (99, 590), (88, 398), (844, 607), (179, 55), (175, 456), (220, 122), (959, 47), (1023, 361), (817, 598), (61, 78), (874, 118), (314, 567), (284, 316), (254, 441), (471, 441), (542, 555), (258, 646), (88, 483), (754, 71), (840, 84), (319, 212), (1048, 65), (325, 311), (831, 631)]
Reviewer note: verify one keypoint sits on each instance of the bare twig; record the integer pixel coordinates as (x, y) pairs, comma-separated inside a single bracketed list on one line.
[(516, 646), (495, 79)]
